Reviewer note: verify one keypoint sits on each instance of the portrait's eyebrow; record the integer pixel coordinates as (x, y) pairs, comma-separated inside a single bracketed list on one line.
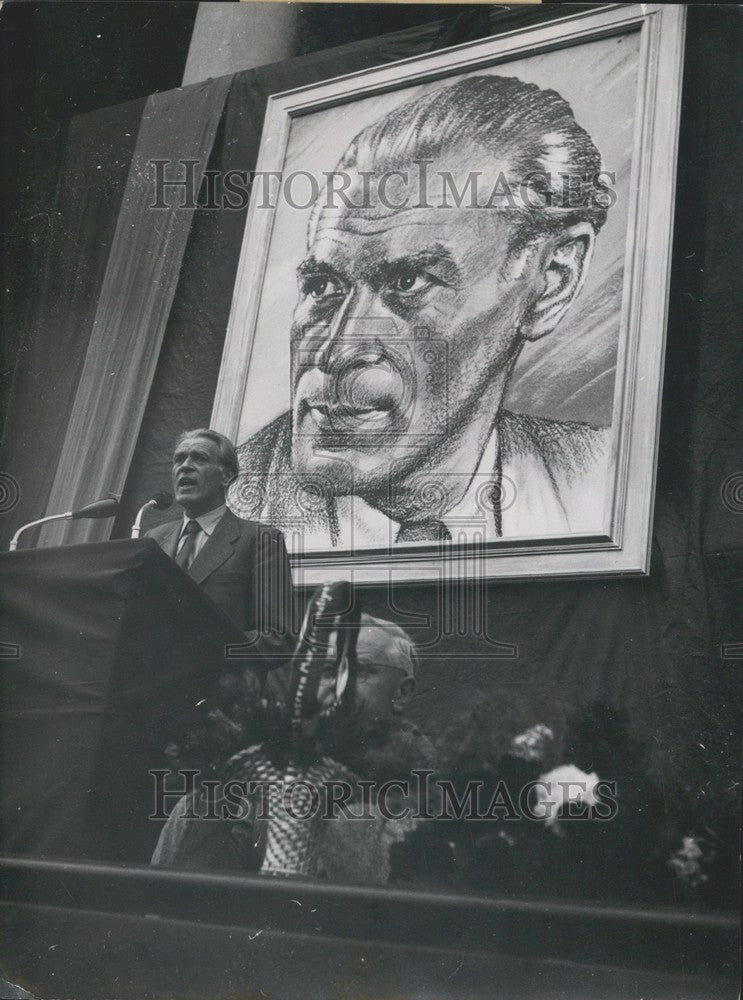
[(311, 267), (435, 257)]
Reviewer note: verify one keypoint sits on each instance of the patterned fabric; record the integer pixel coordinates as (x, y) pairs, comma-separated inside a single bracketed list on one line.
[(294, 820), (300, 841)]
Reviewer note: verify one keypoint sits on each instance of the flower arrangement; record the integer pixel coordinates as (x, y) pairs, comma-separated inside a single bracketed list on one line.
[(650, 846)]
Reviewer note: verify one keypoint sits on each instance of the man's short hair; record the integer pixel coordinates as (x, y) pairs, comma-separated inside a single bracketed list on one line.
[(227, 454), (531, 132), (387, 643)]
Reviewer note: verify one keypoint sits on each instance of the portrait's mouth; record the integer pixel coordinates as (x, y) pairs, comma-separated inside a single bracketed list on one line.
[(186, 483), (340, 419), (356, 407)]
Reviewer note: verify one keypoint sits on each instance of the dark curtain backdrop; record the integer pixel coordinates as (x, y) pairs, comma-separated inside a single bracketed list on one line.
[(56, 329), (661, 648)]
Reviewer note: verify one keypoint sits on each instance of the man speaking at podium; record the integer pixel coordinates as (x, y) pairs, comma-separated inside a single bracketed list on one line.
[(243, 566)]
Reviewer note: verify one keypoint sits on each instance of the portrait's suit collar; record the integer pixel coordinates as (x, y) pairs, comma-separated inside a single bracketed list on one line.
[(217, 549)]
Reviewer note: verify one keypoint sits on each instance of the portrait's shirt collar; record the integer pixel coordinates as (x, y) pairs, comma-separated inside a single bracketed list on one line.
[(526, 502), (207, 522), (528, 505), (469, 521)]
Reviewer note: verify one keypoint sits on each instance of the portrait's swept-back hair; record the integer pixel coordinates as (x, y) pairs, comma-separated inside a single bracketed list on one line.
[(530, 133), (227, 454)]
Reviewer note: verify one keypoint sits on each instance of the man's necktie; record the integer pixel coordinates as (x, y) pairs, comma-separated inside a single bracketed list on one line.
[(423, 531), (185, 554)]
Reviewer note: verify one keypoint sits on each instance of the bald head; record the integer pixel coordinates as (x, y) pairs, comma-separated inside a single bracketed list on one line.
[(385, 643)]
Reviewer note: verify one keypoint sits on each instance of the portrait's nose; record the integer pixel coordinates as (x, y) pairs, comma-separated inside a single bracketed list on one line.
[(361, 326)]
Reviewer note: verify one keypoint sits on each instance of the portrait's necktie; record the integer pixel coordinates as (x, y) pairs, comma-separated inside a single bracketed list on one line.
[(185, 554), (423, 531)]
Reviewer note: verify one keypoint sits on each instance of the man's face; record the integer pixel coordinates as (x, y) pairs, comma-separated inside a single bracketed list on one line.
[(198, 476), (380, 688), (402, 338)]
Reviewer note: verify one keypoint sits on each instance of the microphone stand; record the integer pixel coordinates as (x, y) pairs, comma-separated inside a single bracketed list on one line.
[(107, 507), (137, 526), (42, 520), (160, 501)]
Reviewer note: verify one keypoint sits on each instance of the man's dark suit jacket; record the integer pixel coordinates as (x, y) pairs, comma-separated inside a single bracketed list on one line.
[(244, 568)]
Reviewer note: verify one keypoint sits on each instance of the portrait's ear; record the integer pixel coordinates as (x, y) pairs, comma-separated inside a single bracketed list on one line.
[(564, 269)]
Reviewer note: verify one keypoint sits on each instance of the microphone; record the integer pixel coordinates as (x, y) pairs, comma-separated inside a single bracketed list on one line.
[(105, 507), (160, 501)]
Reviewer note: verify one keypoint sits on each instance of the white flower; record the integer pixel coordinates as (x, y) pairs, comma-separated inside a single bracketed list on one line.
[(561, 787), (687, 862), (532, 743)]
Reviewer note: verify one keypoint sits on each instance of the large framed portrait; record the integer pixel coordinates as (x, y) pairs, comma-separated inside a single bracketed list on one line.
[(445, 349)]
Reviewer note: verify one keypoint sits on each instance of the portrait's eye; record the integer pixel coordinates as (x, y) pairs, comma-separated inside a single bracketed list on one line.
[(409, 281), (320, 286)]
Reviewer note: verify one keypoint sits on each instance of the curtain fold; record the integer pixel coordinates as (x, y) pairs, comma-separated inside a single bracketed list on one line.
[(133, 308)]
